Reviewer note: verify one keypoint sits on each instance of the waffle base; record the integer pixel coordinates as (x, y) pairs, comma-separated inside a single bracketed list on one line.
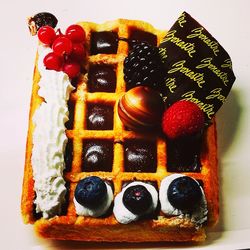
[(73, 227)]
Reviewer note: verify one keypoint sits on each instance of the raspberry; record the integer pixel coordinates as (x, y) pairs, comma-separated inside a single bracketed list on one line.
[(183, 118), (143, 66)]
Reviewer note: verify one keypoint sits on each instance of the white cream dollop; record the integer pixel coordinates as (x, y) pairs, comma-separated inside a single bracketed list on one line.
[(199, 213), (122, 214), (49, 138), (98, 211)]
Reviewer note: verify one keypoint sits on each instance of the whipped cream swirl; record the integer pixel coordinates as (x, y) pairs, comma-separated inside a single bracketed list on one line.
[(198, 214), (98, 211), (122, 214), (49, 139)]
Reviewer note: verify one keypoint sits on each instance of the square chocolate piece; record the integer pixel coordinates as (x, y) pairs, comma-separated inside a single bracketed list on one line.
[(140, 156), (143, 36), (105, 42), (99, 117), (97, 155), (102, 78)]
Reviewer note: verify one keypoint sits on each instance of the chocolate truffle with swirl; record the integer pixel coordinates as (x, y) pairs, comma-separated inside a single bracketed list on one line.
[(141, 108)]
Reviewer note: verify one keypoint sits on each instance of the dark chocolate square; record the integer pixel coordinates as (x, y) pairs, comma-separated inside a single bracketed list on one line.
[(97, 155), (102, 78), (105, 42), (143, 36), (140, 156), (184, 154), (100, 117)]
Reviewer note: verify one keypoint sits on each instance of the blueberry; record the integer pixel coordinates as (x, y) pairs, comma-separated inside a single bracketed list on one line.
[(137, 199), (91, 192), (184, 193)]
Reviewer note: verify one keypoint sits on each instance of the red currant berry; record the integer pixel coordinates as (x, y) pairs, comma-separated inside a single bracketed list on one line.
[(62, 45), (71, 68), (59, 34), (78, 52), (46, 35), (75, 33), (53, 61)]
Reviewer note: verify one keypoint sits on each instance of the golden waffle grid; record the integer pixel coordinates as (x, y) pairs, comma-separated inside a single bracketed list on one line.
[(79, 134)]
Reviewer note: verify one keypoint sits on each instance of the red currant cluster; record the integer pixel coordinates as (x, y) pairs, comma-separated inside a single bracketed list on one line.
[(68, 49)]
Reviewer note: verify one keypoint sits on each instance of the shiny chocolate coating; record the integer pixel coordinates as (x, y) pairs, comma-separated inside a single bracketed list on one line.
[(141, 108), (104, 42), (97, 155), (142, 36), (102, 78), (140, 156), (100, 117), (184, 154)]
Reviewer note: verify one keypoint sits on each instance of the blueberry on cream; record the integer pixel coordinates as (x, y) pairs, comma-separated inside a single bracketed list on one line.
[(134, 201), (183, 196), (93, 197)]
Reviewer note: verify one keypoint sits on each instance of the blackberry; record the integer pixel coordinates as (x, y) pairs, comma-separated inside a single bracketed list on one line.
[(45, 18), (143, 66), (39, 20)]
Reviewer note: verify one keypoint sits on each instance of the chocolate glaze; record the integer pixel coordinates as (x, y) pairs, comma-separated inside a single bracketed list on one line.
[(102, 78), (99, 117), (140, 156), (184, 154), (142, 36), (105, 42), (97, 155), (197, 67)]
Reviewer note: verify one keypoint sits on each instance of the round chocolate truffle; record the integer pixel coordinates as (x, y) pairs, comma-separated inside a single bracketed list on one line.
[(141, 108)]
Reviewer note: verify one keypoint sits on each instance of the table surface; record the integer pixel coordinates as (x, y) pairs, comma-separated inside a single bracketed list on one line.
[(225, 20)]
